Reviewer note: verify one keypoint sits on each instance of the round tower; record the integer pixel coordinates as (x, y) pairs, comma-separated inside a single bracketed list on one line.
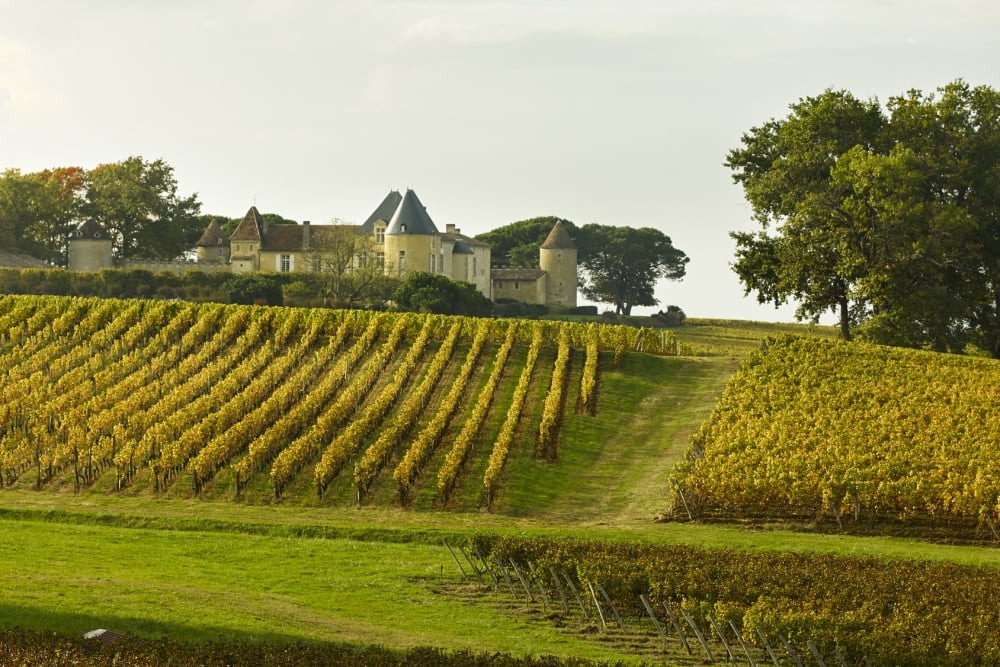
[(557, 257), (90, 247), (213, 246), (412, 241)]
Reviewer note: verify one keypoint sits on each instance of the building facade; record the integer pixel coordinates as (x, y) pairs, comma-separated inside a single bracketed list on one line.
[(553, 283), (399, 237)]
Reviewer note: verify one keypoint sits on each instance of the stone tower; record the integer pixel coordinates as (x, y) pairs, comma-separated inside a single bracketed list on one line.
[(245, 243), (213, 246), (90, 248), (412, 241), (557, 257)]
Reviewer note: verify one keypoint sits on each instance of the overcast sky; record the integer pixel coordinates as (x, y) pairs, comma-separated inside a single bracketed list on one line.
[(611, 111)]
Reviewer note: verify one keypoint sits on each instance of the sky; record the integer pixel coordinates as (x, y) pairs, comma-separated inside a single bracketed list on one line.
[(618, 112)]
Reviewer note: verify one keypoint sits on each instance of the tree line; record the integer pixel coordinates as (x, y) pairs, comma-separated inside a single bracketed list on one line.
[(620, 266), (135, 200), (138, 203), (887, 216)]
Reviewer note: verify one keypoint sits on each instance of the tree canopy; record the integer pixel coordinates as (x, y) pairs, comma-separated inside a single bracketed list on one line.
[(135, 200), (618, 265), (888, 217), (137, 203), (517, 244), (39, 211), (425, 292), (622, 265)]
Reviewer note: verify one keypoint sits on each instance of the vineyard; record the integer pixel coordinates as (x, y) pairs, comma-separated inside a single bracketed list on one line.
[(757, 607), (853, 434), (266, 404)]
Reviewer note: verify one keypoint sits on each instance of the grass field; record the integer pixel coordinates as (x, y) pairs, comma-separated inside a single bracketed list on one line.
[(200, 570)]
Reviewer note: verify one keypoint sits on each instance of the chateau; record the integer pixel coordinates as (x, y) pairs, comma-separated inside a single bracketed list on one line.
[(399, 237)]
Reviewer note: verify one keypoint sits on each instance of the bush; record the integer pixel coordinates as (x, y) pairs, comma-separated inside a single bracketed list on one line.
[(254, 288), (433, 293)]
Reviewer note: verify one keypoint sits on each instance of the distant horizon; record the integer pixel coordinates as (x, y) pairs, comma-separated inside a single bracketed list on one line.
[(619, 113)]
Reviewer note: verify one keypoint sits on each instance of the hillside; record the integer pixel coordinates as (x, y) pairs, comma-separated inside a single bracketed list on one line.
[(164, 546), (851, 435), (328, 408)]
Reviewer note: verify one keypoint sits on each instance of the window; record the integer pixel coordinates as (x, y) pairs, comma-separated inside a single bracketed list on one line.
[(380, 260), (379, 234), (285, 263), (473, 266), (433, 264), (517, 285), (402, 260)]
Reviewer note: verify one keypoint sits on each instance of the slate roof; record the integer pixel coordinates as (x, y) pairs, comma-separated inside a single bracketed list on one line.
[(91, 230), (289, 238), (384, 211), (558, 239), (251, 228), (283, 237), (461, 248), (515, 273), (213, 236), (467, 240), (411, 217)]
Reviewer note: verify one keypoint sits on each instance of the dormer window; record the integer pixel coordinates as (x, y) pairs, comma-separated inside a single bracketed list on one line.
[(402, 229)]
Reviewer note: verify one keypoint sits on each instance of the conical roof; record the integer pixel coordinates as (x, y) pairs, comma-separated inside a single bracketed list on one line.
[(411, 217), (461, 248), (213, 236), (251, 228), (384, 211), (91, 230), (558, 239)]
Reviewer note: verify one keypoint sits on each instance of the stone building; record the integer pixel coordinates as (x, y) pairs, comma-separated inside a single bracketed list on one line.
[(399, 237), (90, 247), (553, 283)]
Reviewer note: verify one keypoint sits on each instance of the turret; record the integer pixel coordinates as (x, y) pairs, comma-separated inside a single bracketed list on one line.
[(557, 257)]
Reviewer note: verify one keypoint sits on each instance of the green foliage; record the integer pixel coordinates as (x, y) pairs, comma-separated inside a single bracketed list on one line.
[(672, 317), (519, 309), (38, 211), (517, 244), (851, 433), (899, 612), (424, 292), (622, 265), (138, 204), (136, 201), (886, 217), (254, 288)]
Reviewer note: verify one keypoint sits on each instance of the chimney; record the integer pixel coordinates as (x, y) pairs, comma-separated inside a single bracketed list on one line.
[(306, 234), (450, 229)]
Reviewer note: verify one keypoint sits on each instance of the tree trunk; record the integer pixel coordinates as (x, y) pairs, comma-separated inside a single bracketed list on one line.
[(845, 320)]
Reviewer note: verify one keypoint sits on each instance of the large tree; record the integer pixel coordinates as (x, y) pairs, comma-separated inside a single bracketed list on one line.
[(884, 218), (138, 203), (802, 249), (38, 211), (622, 265)]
